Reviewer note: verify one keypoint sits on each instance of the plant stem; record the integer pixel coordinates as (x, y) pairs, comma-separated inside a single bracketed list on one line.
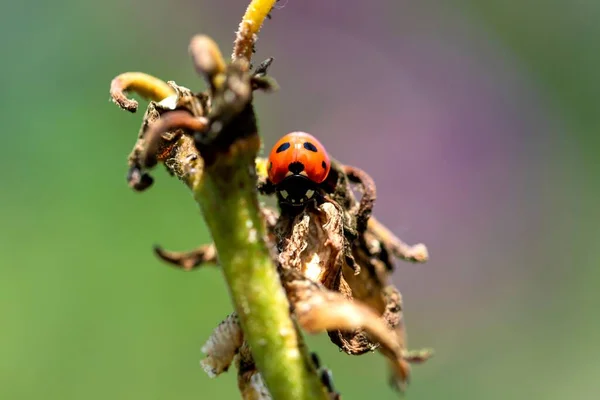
[(249, 27), (228, 198)]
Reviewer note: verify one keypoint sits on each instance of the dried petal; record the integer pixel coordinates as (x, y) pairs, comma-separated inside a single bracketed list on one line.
[(318, 309)]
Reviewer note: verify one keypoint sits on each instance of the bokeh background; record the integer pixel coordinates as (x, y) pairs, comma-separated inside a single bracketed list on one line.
[(478, 120)]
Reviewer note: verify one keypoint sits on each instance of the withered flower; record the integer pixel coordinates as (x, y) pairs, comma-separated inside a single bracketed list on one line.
[(325, 264)]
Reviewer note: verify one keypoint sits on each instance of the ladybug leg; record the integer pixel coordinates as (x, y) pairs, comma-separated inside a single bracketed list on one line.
[(263, 184), (265, 187)]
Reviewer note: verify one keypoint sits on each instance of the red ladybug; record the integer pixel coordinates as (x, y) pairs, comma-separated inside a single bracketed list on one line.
[(298, 163)]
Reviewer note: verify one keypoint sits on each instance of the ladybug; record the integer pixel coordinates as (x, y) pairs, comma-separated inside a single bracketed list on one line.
[(298, 164)]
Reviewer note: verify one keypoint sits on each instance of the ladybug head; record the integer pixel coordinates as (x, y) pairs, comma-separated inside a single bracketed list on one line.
[(298, 163)]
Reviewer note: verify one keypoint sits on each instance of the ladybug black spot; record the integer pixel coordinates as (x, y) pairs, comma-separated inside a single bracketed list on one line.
[(283, 147), (296, 167), (310, 147), (323, 164)]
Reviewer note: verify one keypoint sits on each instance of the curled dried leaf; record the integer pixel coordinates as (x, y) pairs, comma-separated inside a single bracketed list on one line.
[(189, 260), (416, 253), (318, 309), (182, 155), (143, 84), (369, 194)]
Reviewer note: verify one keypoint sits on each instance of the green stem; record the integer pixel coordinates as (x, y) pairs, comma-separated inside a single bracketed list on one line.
[(228, 199)]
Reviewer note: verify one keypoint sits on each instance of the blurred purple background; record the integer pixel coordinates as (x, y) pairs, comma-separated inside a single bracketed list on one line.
[(477, 120)]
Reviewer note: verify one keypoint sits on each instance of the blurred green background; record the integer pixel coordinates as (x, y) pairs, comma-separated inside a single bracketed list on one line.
[(478, 120)]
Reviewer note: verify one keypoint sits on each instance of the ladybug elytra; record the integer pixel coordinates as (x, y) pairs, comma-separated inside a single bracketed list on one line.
[(298, 163)]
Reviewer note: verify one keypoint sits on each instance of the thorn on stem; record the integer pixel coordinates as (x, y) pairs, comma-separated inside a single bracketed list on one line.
[(260, 80), (263, 67)]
